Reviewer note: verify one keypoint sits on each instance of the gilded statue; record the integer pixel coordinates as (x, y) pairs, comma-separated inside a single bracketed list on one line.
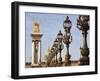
[(36, 27)]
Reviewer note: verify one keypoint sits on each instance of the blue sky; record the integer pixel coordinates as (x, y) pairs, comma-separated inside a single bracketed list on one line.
[(50, 24)]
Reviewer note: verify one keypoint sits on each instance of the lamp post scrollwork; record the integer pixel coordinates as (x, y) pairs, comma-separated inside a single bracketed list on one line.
[(60, 45), (83, 25), (67, 39), (56, 52)]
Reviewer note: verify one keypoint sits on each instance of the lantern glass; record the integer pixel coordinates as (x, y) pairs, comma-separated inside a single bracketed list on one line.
[(67, 24), (59, 36), (55, 43)]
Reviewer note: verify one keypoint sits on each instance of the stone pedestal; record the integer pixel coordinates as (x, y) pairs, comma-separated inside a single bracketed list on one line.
[(36, 49), (84, 59), (83, 25), (67, 60), (36, 45)]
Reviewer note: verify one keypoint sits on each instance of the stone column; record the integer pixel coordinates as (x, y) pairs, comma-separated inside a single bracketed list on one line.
[(84, 60)]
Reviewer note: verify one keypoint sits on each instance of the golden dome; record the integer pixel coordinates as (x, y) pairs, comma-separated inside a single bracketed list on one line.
[(36, 27)]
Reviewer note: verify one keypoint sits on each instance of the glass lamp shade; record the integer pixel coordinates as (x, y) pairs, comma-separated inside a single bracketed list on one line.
[(55, 43), (83, 22), (84, 17), (60, 36), (67, 23)]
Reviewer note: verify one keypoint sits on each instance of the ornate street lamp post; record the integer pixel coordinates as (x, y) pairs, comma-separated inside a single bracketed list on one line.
[(67, 39), (56, 50), (51, 55), (60, 45), (83, 25)]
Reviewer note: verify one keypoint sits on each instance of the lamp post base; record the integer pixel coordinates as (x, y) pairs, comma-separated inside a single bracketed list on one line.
[(67, 63), (67, 60), (60, 61), (84, 60)]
